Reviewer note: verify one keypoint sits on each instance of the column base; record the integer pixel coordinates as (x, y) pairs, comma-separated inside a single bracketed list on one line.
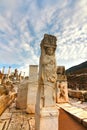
[(47, 119)]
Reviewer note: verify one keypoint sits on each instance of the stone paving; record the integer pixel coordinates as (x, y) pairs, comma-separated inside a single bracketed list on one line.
[(16, 119)]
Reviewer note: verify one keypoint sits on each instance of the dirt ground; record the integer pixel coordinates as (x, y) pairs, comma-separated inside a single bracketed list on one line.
[(66, 122)]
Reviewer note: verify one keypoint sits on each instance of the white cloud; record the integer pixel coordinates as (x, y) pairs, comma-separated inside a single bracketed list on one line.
[(24, 24)]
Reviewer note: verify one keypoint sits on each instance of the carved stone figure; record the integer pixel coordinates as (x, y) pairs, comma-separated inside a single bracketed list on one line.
[(46, 112), (47, 73), (62, 92), (62, 88)]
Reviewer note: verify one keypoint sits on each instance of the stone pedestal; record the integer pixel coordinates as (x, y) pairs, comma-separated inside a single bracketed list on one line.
[(62, 92), (47, 119), (32, 88), (31, 97)]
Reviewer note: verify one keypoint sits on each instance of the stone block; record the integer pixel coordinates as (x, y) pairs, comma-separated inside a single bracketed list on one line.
[(47, 119), (21, 101), (32, 89), (80, 116)]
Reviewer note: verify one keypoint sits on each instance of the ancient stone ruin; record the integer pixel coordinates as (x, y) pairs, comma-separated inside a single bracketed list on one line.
[(27, 89), (46, 112), (21, 101), (32, 88), (38, 100), (62, 85), (7, 92)]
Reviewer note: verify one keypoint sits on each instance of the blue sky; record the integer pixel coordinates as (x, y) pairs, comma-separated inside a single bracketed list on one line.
[(23, 24)]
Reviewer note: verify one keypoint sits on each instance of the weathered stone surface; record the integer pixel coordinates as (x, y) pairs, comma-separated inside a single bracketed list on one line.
[(5, 101), (61, 73), (78, 113), (62, 86), (3, 90), (47, 71), (32, 89), (62, 92), (22, 95), (46, 112), (79, 94), (48, 119), (61, 77), (33, 73)]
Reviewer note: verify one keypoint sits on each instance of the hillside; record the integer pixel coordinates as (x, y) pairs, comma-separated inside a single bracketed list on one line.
[(77, 76), (78, 69)]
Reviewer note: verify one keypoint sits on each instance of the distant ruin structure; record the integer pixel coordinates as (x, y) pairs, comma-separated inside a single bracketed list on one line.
[(16, 74), (46, 112), (9, 73), (3, 69), (1, 77)]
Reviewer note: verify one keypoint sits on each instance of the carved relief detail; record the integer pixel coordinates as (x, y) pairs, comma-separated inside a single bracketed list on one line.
[(47, 74)]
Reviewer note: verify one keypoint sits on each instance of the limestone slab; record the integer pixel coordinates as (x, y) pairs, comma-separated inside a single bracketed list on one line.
[(80, 115)]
